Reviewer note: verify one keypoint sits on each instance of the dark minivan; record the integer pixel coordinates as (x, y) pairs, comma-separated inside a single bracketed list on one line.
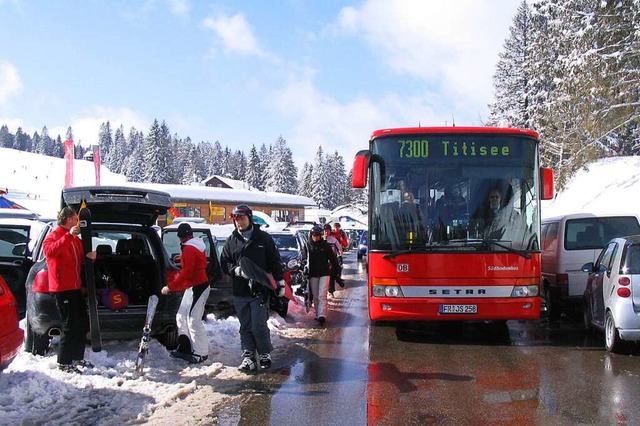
[(130, 256)]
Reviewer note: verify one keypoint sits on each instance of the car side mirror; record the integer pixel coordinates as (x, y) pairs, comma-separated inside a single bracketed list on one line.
[(587, 267)]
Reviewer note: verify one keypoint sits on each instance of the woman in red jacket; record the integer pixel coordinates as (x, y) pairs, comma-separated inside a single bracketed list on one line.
[(64, 254), (193, 280)]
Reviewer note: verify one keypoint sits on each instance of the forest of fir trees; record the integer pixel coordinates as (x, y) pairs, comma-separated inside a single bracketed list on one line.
[(160, 157), (570, 69)]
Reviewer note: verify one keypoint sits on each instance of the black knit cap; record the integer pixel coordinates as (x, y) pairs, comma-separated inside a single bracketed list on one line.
[(184, 230)]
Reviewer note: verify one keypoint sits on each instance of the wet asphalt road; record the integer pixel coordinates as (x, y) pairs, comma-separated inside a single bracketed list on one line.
[(519, 373)]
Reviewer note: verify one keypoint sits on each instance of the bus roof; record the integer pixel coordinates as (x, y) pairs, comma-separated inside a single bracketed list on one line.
[(453, 129)]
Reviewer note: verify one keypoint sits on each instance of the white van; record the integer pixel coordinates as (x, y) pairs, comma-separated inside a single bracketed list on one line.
[(570, 241)]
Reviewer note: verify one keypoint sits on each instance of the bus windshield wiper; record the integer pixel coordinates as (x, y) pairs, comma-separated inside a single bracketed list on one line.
[(522, 253), (409, 251)]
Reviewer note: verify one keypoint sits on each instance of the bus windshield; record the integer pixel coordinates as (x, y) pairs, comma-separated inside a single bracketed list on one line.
[(455, 192)]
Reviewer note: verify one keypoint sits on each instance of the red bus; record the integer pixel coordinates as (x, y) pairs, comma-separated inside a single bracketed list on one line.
[(454, 222)]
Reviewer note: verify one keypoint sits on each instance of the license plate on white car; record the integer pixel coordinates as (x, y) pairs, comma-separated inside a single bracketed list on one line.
[(458, 309)]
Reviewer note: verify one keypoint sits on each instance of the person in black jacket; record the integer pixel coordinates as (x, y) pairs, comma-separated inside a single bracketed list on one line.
[(250, 299), (319, 258)]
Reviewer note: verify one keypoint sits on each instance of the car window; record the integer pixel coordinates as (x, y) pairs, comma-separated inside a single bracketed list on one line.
[(172, 242), (631, 263), (121, 242), (285, 242), (606, 256), (13, 242), (594, 232)]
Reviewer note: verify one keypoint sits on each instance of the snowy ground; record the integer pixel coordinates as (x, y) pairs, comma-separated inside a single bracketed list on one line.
[(34, 391)]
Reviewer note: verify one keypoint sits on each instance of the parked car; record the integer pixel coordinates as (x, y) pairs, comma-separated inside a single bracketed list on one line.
[(11, 335), (612, 294), (570, 241), (221, 294), (17, 239), (289, 244), (130, 255), (363, 245)]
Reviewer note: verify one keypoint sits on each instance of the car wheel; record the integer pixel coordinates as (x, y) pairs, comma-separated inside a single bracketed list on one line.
[(586, 315), (169, 339), (35, 343), (612, 341), (553, 308)]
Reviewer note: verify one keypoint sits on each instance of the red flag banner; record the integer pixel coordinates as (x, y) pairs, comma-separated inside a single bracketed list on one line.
[(96, 162), (68, 156)]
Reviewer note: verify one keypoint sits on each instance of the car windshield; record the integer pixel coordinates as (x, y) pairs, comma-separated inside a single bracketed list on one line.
[(172, 242), (285, 242)]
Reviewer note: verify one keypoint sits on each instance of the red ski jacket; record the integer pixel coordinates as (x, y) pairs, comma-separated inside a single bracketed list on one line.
[(64, 259), (193, 266)]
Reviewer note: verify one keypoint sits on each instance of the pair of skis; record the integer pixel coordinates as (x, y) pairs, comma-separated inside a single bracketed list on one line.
[(143, 348)]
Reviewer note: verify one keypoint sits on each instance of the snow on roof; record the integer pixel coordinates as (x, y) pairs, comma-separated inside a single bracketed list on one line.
[(231, 196), (233, 183)]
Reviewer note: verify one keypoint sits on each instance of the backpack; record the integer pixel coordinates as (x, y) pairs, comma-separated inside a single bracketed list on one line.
[(343, 239)]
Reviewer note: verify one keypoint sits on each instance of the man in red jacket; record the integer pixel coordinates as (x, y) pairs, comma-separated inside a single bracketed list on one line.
[(64, 254), (193, 280)]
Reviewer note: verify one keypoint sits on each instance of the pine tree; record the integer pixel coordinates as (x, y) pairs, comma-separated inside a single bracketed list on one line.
[(117, 154), (320, 181), (253, 173), (105, 141), (512, 77), (281, 173), (156, 154), (6, 138), (304, 181)]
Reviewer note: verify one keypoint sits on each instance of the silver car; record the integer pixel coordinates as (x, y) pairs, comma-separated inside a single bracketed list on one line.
[(612, 296)]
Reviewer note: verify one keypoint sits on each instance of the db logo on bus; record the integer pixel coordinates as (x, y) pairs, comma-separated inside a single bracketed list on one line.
[(402, 267)]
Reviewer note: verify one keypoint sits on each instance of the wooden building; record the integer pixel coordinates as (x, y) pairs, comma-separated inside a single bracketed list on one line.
[(215, 204)]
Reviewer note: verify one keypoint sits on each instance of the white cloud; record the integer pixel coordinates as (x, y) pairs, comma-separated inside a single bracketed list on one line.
[(179, 8), (451, 45), (321, 120), (10, 83), (234, 33), (86, 128)]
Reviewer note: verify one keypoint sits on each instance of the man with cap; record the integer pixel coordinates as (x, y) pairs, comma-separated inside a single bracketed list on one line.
[(251, 300), (192, 279)]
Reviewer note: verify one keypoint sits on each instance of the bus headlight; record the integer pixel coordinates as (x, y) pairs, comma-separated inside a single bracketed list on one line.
[(525, 291), (387, 291)]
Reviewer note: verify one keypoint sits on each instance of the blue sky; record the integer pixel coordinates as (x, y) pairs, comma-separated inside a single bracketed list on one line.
[(245, 72)]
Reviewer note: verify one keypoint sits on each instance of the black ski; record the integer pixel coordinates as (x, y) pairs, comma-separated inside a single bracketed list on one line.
[(143, 349), (85, 233)]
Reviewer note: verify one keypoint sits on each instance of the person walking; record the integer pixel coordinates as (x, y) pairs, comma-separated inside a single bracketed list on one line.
[(193, 342), (251, 299), (336, 246), (320, 259), (64, 253)]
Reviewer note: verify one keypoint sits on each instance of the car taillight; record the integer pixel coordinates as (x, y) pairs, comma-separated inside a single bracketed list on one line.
[(624, 281), (562, 279), (624, 292)]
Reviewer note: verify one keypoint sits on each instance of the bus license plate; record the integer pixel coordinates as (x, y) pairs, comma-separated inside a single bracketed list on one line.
[(458, 309)]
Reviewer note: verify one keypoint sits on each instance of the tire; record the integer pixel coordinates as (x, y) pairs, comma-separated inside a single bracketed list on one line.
[(34, 343), (612, 341), (553, 308)]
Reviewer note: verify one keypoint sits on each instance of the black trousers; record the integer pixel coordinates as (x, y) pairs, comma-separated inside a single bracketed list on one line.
[(75, 324)]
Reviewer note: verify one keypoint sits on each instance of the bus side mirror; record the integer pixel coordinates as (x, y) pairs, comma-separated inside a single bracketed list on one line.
[(546, 183), (361, 168)]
